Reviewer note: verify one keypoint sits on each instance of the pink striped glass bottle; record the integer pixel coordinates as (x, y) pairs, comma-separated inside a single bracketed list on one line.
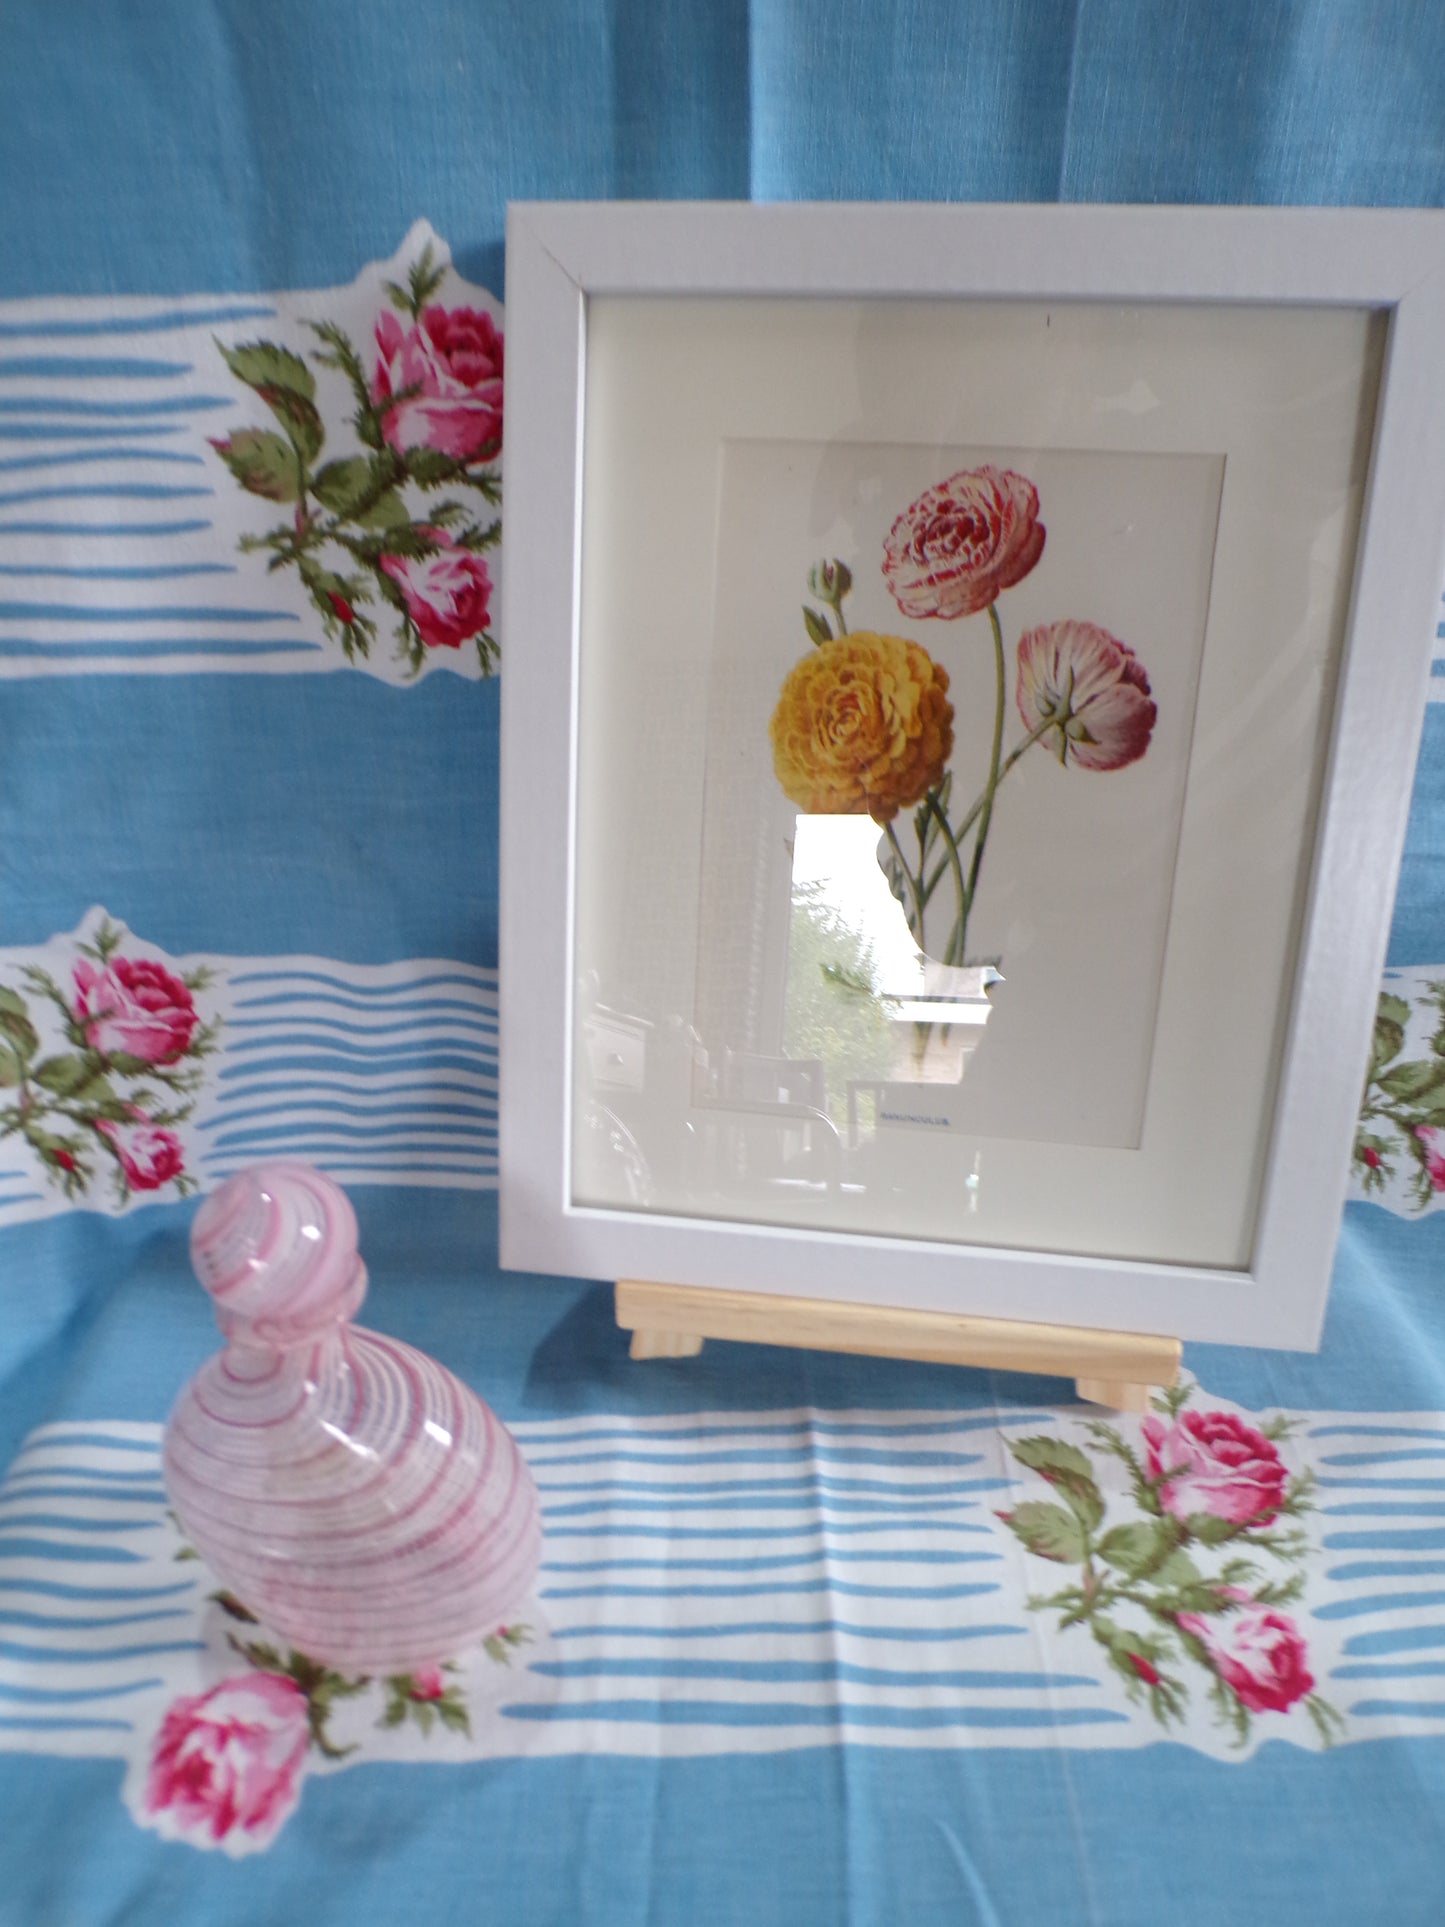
[(359, 1499)]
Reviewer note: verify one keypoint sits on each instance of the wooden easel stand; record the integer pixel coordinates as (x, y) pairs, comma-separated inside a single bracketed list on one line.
[(1108, 1368)]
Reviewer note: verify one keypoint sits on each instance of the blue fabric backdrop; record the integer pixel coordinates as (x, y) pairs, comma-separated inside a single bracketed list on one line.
[(166, 147)]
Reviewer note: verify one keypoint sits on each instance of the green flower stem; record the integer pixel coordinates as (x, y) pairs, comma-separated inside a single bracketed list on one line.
[(955, 864), (915, 916), (957, 946), (976, 807)]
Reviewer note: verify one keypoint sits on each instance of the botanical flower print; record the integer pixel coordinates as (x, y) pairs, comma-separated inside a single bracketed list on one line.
[(447, 367), (1086, 692), (96, 1074), (1196, 1575), (148, 1156), (862, 725), (1213, 1463), (447, 594), (225, 1768), (1259, 1654), (227, 1765), (1399, 1155), (1432, 1144), (962, 543), (426, 418), (135, 1006)]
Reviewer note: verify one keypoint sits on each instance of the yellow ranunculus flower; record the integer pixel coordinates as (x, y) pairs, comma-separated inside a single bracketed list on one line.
[(863, 726)]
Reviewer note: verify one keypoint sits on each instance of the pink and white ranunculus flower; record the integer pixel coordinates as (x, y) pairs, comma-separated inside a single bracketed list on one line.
[(1088, 690), (1432, 1142), (1212, 1462), (452, 359), (134, 1006), (227, 1765), (149, 1156), (954, 550), (1259, 1655), (447, 595)]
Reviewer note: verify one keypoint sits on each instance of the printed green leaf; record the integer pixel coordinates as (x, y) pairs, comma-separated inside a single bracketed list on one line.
[(454, 1715), (1410, 1082), (1049, 1532), (816, 626), (67, 1076), (1133, 1549), (1210, 1531), (1068, 1470), (232, 1607), (1389, 1039), (431, 466), (15, 1023), (261, 364), (298, 417), (125, 1064), (11, 1069), (394, 1714), (262, 463), (1178, 1570), (387, 512), (344, 486)]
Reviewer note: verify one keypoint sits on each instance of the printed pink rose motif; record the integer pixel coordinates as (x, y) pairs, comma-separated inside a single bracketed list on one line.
[(148, 1155), (452, 359), (1258, 1654), (954, 550), (1432, 1143), (447, 595), (427, 1683), (134, 1006), (1089, 693), (226, 1770), (1215, 1464)]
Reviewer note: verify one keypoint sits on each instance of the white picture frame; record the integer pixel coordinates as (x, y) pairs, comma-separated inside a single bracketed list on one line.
[(563, 261)]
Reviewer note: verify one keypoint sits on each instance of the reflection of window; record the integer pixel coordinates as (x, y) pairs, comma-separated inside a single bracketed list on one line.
[(861, 1000)]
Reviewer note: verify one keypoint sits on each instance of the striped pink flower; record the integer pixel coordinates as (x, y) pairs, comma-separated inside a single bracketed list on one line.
[(964, 541), (1089, 693)]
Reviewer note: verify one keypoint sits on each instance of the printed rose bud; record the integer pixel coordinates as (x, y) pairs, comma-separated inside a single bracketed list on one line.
[(1142, 1667), (344, 611), (1258, 1654), (149, 1156), (426, 1684), (1432, 1143), (830, 581), (962, 543), (863, 727), (447, 595)]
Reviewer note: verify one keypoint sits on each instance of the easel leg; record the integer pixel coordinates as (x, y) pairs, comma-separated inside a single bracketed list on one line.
[(647, 1344), (1114, 1392)]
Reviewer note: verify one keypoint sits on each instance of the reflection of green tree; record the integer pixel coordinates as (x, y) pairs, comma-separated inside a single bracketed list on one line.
[(832, 1010)]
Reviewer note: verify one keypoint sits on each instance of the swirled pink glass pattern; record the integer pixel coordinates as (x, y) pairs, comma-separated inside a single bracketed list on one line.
[(351, 1492)]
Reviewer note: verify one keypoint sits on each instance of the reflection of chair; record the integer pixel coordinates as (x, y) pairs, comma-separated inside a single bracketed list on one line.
[(768, 1122), (774, 1080)]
